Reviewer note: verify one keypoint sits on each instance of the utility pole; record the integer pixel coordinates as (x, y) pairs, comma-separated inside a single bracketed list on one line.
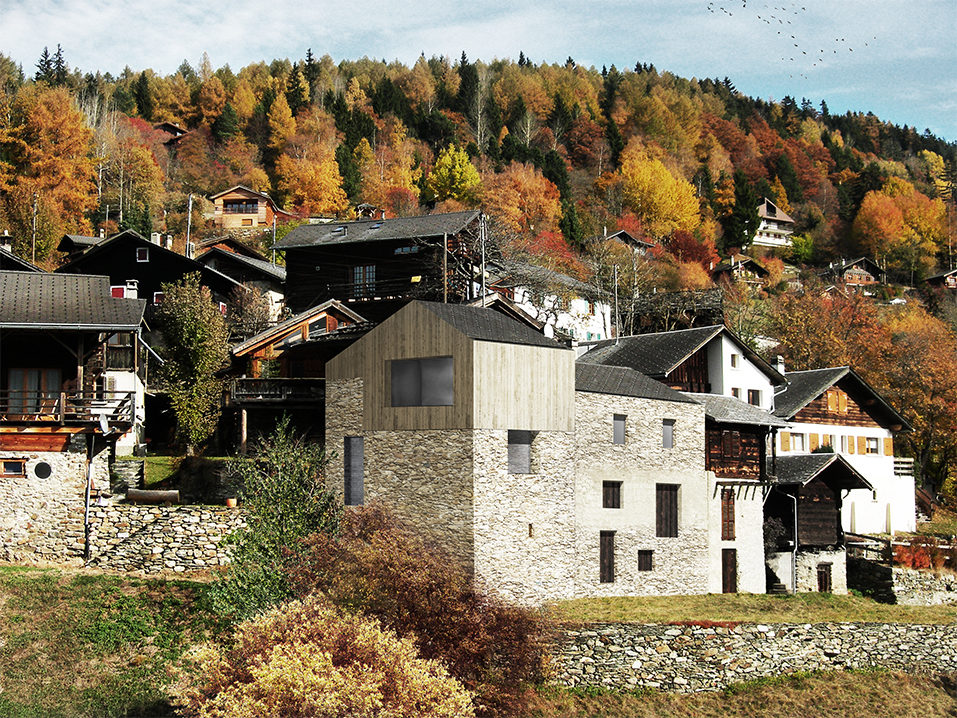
[(189, 219), (33, 257)]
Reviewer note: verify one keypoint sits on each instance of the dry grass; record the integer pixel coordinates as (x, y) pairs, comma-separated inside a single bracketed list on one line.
[(822, 695), (747, 608), (943, 525)]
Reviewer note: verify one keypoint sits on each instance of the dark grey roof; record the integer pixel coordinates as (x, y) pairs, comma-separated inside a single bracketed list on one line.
[(31, 300), (377, 230), (489, 325), (521, 274), (622, 381), (803, 387), (9, 262), (802, 468), (276, 271), (729, 410), (941, 275), (653, 354)]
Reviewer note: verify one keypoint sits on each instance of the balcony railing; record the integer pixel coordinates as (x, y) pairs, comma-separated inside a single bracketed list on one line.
[(27, 407), (257, 391)]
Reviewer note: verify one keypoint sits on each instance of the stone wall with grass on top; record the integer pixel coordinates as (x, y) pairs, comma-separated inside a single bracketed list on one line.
[(710, 657)]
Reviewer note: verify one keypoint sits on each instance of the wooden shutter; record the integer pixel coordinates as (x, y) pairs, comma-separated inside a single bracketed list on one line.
[(832, 401), (611, 494), (785, 441), (606, 557), (645, 560), (861, 445), (812, 442), (850, 444), (666, 510), (729, 570), (727, 514), (842, 402), (888, 446), (824, 577)]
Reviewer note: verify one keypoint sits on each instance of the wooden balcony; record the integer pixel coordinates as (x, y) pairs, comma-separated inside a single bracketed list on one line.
[(39, 407), (278, 391)]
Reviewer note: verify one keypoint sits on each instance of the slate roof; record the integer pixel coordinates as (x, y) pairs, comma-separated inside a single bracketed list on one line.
[(521, 274), (657, 355), (741, 260), (377, 230), (621, 381), (9, 262), (802, 468), (489, 325), (276, 271), (803, 387), (32, 300), (729, 410)]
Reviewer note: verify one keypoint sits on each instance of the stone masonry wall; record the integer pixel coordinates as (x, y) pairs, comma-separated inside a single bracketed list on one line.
[(42, 519), (687, 659), (152, 539)]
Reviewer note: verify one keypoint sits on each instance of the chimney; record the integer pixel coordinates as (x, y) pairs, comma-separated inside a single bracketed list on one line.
[(102, 233), (779, 364), (132, 288), (155, 238), (169, 241)]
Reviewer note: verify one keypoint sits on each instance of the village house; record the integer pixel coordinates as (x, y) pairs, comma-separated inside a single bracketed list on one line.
[(239, 207), (741, 268), (947, 279), (256, 273), (775, 227), (550, 479), (69, 390), (855, 274), (835, 410)]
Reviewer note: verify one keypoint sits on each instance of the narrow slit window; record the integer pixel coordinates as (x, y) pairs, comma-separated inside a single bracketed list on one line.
[(519, 452), (353, 455), (667, 433), (619, 428), (607, 557)]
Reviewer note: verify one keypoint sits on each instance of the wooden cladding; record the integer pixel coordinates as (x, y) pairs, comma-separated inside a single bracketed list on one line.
[(733, 453), (834, 407), (819, 516), (666, 510), (692, 374), (34, 442)]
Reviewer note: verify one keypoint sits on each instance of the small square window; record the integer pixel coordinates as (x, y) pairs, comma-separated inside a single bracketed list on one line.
[(667, 433), (645, 560), (735, 361), (14, 467), (619, 428), (873, 445), (611, 494), (142, 254), (736, 392), (754, 397)]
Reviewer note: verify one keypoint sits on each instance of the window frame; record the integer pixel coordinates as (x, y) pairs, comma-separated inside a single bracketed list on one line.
[(20, 472), (645, 560), (754, 397), (611, 494), (619, 429), (872, 446), (142, 254), (668, 433), (727, 515), (422, 382), (520, 452)]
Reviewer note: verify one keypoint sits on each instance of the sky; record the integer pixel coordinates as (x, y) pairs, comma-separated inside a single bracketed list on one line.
[(897, 59)]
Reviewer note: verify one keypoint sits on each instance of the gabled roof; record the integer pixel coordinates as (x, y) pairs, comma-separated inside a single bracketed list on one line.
[(9, 262), (230, 244), (522, 274), (488, 325), (942, 275), (501, 303), (730, 410), (621, 381), (622, 236), (278, 331), (40, 300), (804, 468), (741, 260), (657, 355), (873, 266), (803, 387), (768, 210), (273, 271), (241, 188), (74, 242), (377, 230)]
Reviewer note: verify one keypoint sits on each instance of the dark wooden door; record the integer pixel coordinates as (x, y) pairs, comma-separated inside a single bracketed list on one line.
[(729, 570)]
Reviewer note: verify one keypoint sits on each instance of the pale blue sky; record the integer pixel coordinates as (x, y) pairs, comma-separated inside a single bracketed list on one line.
[(895, 59)]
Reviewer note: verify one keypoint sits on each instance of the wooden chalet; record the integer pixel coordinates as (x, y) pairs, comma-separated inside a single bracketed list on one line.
[(947, 280), (228, 244), (740, 268), (73, 245), (58, 335), (240, 207), (259, 274), (638, 246), (856, 273), (378, 265)]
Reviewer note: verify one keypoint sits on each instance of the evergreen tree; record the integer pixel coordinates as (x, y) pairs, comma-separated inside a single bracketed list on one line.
[(144, 97), (226, 125), (44, 68), (741, 224)]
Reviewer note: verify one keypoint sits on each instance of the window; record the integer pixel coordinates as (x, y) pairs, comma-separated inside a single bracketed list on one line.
[(735, 361), (14, 467), (519, 452), (666, 510), (422, 382), (736, 392), (727, 514), (754, 397), (158, 297), (619, 428), (353, 451), (241, 206), (33, 391), (873, 445), (611, 494), (407, 250), (844, 443), (798, 442), (606, 559), (118, 292), (667, 433), (142, 254), (729, 570), (247, 222), (645, 560), (363, 280)]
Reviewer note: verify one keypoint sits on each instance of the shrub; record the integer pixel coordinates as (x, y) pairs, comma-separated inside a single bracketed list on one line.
[(304, 659), (284, 492), (383, 568)]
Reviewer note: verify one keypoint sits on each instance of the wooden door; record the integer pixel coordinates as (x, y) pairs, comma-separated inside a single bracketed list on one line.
[(729, 570)]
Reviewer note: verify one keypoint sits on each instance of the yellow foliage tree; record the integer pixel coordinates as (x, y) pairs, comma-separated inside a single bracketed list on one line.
[(522, 199), (282, 126), (454, 176), (312, 184), (660, 200)]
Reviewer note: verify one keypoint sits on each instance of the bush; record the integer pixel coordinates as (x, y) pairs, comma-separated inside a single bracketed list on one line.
[(304, 659), (378, 566), (284, 492)]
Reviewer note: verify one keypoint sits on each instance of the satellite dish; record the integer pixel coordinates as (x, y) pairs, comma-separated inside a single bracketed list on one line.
[(104, 424)]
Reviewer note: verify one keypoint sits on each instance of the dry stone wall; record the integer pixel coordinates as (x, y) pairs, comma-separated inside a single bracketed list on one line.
[(688, 659)]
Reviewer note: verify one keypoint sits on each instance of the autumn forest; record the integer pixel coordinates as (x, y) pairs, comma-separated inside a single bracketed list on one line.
[(558, 156)]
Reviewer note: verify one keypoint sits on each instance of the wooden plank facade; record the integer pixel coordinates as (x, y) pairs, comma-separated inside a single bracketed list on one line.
[(735, 452)]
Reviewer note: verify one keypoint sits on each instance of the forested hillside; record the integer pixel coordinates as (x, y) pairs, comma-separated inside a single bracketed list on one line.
[(557, 155)]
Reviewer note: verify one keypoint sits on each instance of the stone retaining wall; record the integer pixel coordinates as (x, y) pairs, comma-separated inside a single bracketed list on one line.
[(688, 659), (127, 537), (906, 587)]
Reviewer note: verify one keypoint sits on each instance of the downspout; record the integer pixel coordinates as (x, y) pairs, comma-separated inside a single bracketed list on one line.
[(445, 268), (90, 443), (795, 537)]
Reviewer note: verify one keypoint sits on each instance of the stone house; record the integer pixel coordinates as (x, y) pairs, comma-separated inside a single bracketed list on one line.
[(549, 479), (836, 410), (69, 389)]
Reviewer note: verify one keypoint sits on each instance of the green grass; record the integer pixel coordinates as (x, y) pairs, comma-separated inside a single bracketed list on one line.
[(944, 524), (742, 607), (81, 644)]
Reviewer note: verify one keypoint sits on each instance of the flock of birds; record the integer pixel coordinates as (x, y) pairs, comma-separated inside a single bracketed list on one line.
[(771, 14)]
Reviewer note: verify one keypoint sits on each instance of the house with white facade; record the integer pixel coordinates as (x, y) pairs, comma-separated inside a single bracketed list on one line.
[(775, 227), (836, 410), (550, 479)]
